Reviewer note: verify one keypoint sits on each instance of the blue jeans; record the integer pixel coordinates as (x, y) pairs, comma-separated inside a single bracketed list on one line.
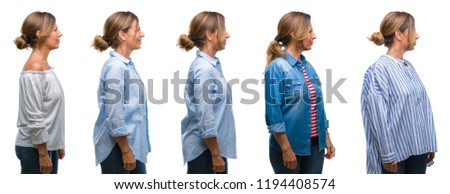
[(203, 164), (412, 165), (311, 164), (113, 164), (29, 160)]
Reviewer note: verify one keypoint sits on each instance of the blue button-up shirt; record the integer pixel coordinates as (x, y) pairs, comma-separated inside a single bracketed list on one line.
[(123, 109), (396, 112), (288, 103), (209, 109)]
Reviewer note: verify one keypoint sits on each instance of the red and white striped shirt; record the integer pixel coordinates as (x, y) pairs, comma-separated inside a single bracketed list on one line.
[(313, 98)]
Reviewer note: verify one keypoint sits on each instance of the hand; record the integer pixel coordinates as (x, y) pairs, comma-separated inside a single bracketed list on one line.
[(391, 166), (45, 164), (62, 153), (129, 162), (218, 163), (289, 159), (430, 157), (331, 151)]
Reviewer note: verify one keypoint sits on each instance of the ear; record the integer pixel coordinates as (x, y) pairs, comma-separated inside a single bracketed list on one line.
[(292, 35), (38, 34), (398, 35), (122, 36), (209, 35)]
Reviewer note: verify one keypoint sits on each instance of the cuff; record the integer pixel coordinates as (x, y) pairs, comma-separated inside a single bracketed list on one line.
[(207, 133), (117, 132), (277, 128)]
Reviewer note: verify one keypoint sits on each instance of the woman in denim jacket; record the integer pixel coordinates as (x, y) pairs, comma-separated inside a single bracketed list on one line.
[(295, 113)]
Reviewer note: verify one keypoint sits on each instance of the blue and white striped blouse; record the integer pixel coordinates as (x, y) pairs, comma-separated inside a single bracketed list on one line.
[(396, 112)]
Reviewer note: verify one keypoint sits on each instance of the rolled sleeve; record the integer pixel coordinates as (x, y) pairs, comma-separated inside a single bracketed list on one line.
[(207, 133), (277, 128)]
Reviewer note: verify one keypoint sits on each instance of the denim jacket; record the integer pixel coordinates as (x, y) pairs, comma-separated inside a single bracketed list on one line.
[(288, 103)]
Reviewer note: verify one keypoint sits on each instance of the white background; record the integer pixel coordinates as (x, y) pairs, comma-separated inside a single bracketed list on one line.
[(342, 28)]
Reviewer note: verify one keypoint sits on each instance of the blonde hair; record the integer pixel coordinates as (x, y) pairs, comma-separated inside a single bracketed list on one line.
[(294, 22), (119, 21), (36, 21), (392, 22), (202, 22)]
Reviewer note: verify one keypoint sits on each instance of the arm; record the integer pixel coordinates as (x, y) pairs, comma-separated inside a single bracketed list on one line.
[(289, 158), (114, 87), (217, 160), (33, 99), (129, 162), (203, 84), (376, 108), (274, 118), (331, 151), (45, 164)]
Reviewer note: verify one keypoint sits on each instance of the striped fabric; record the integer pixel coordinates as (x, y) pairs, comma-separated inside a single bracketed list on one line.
[(313, 98), (396, 112)]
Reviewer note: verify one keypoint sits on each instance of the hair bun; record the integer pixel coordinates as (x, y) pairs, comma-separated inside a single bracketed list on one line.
[(377, 38)]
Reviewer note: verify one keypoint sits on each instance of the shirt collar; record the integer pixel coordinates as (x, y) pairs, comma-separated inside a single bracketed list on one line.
[(293, 61), (121, 58), (214, 61), (401, 62)]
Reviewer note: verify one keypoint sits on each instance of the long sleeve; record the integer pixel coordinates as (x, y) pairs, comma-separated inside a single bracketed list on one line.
[(273, 99), (34, 99), (376, 107)]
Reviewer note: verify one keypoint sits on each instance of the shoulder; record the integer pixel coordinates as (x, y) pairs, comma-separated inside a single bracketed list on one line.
[(201, 66), (36, 66), (279, 64), (113, 64)]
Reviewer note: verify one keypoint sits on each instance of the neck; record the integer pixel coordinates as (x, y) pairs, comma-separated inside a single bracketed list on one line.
[(295, 52), (123, 50), (209, 50), (40, 53), (396, 51)]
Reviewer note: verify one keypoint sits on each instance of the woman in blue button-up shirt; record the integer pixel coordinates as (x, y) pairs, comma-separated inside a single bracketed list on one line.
[(208, 131), (121, 131), (396, 111), (295, 113)]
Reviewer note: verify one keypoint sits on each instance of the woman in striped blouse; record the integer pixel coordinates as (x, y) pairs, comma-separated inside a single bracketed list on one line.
[(396, 111)]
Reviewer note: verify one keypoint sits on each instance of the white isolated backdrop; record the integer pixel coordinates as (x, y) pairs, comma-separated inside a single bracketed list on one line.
[(342, 28)]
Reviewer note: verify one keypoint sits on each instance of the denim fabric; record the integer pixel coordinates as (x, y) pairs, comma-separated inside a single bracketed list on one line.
[(288, 105), (311, 164), (29, 160), (203, 164), (113, 164), (412, 165)]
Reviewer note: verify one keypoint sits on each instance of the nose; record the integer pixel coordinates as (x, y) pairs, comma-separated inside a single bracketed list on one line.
[(227, 35), (142, 34), (314, 35)]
